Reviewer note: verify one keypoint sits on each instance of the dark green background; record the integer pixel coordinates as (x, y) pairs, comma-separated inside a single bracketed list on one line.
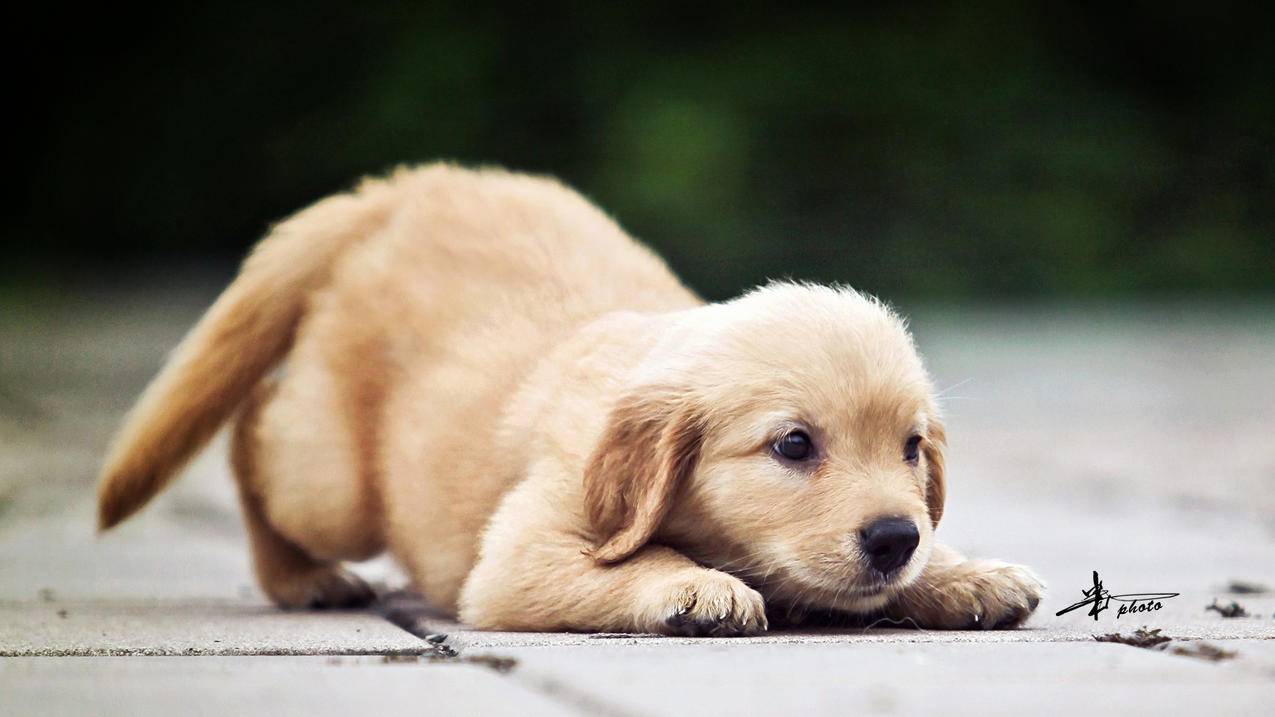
[(920, 150)]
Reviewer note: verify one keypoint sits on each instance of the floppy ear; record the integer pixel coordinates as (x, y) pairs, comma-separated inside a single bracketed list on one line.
[(936, 489), (650, 445)]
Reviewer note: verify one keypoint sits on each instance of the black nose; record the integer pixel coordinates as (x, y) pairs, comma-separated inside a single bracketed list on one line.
[(889, 543)]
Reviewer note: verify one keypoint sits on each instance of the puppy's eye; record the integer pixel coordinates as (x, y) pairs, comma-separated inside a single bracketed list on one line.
[(795, 446), (911, 449)]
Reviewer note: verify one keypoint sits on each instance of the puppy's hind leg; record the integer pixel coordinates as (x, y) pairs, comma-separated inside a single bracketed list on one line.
[(290, 576)]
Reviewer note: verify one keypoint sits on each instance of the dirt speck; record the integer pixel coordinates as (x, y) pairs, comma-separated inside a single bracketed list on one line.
[(1244, 587), (1234, 609), (495, 662), (1204, 651), (1141, 637), (390, 659), (47, 595), (443, 653), (1155, 640), (434, 653), (62, 613)]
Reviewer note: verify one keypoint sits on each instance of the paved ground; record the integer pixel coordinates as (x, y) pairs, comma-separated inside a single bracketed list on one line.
[(1134, 441)]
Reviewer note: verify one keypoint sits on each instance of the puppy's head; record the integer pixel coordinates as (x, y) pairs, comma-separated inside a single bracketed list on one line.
[(789, 437)]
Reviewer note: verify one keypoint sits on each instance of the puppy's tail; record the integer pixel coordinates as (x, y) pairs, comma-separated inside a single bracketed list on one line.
[(242, 336)]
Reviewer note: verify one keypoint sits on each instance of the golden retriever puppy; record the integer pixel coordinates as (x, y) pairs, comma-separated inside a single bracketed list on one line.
[(479, 372)]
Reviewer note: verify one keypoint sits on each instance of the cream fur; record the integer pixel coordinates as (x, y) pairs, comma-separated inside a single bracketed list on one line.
[(483, 375)]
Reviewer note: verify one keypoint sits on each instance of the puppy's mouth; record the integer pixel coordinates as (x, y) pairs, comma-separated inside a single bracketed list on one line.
[(827, 581), (837, 593), (867, 591), (864, 596)]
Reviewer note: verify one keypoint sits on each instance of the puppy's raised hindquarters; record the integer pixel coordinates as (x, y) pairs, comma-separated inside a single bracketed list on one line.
[(218, 369)]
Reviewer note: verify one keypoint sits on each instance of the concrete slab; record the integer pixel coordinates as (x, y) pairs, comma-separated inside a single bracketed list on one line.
[(659, 677), (192, 627), (259, 686), (1255, 655)]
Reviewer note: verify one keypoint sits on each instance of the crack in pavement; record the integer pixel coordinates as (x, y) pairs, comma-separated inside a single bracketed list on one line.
[(409, 613)]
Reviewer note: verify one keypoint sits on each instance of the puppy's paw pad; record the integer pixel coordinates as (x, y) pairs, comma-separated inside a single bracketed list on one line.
[(320, 588), (712, 604)]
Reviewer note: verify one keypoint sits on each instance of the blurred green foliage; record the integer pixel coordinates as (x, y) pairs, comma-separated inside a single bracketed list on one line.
[(931, 150)]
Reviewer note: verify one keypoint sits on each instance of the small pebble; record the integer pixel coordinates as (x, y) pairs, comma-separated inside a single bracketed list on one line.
[(444, 651), (1233, 610)]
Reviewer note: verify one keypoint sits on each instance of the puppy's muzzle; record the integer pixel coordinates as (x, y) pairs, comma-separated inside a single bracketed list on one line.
[(889, 543)]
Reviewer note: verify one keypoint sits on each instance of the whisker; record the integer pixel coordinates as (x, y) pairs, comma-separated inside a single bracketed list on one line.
[(953, 387)]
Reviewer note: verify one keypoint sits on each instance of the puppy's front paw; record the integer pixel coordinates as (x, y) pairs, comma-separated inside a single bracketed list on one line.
[(708, 602), (973, 595)]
